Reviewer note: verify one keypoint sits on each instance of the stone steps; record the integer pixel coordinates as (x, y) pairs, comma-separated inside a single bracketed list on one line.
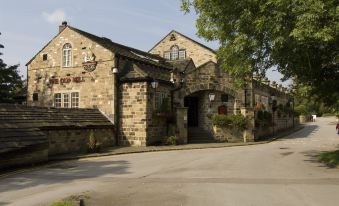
[(198, 135)]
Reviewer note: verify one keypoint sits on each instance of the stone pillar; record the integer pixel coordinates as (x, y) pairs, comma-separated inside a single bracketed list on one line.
[(181, 119), (248, 134)]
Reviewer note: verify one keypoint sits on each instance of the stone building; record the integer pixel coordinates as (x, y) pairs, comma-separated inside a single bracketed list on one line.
[(30, 135), (174, 88)]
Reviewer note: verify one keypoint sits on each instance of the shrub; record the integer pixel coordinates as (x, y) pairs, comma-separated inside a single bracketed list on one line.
[(236, 121), (93, 145), (171, 140), (263, 118)]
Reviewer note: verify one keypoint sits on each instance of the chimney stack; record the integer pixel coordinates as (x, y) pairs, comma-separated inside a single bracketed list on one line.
[(62, 26)]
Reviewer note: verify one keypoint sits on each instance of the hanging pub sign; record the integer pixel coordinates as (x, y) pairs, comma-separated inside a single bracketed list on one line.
[(89, 63)]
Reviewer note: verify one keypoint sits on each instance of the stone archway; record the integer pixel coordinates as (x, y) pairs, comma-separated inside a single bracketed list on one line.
[(192, 88)]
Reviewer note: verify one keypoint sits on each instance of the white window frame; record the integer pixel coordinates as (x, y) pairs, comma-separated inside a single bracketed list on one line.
[(75, 99), (65, 98), (67, 55), (69, 99), (57, 100), (182, 54), (167, 55), (174, 52)]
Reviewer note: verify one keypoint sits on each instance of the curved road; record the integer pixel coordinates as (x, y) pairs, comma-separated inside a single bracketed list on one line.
[(284, 172)]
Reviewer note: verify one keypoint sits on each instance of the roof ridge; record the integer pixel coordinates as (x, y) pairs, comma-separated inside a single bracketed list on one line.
[(118, 44), (201, 44)]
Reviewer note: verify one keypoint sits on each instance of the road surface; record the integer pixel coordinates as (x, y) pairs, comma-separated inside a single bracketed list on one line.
[(284, 172)]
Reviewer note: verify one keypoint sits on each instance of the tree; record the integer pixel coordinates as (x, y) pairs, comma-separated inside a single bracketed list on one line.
[(10, 81), (299, 37)]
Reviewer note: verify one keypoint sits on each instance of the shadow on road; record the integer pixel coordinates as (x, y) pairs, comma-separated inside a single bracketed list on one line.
[(63, 172), (307, 131)]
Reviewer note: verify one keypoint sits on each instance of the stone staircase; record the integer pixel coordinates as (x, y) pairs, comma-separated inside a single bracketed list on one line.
[(198, 135)]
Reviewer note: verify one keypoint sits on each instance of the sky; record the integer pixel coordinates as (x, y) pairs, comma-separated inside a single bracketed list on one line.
[(26, 26)]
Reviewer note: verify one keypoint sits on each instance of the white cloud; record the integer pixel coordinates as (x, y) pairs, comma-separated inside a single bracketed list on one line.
[(56, 17)]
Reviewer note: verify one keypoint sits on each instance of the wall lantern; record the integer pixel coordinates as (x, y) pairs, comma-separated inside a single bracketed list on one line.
[(155, 84), (115, 70), (172, 78), (211, 97)]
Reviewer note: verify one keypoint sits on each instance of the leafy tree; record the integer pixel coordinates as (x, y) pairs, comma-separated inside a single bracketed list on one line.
[(10, 81), (306, 104), (299, 37)]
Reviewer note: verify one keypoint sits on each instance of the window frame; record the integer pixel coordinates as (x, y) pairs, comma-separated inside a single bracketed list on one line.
[(69, 99), (44, 57), (57, 104), (174, 52), (167, 55), (66, 55), (180, 52)]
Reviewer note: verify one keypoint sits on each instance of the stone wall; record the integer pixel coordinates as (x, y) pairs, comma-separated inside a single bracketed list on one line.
[(24, 158), (62, 141), (95, 88), (198, 53), (157, 127), (227, 135), (133, 113)]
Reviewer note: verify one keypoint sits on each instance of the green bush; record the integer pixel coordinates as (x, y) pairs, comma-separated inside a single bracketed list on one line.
[(236, 121), (264, 118), (93, 145), (171, 140)]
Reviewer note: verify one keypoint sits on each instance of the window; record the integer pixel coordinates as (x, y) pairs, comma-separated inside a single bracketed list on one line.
[(67, 55), (224, 98), (174, 52), (44, 57), (167, 55), (159, 99), (182, 54), (75, 99), (35, 97), (66, 100), (57, 100)]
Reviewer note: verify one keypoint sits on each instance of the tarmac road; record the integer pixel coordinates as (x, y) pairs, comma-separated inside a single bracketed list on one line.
[(284, 172)]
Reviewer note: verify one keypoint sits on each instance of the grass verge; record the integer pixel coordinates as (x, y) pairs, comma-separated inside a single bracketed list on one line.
[(63, 203), (330, 158)]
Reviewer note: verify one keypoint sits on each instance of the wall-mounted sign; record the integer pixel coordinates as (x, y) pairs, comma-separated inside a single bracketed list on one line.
[(66, 80), (89, 63)]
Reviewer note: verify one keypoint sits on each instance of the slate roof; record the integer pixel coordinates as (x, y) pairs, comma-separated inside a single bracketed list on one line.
[(126, 51), (43, 117), (132, 70), (181, 64), (23, 126)]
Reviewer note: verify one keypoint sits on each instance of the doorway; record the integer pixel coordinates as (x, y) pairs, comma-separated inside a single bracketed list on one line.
[(193, 111)]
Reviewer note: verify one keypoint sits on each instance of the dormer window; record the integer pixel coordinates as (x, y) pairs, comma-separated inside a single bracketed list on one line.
[(67, 55)]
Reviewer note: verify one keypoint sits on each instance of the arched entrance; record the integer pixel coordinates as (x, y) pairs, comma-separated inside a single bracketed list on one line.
[(200, 109)]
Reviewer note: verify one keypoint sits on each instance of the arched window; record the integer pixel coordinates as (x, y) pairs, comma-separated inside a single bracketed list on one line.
[(67, 55), (174, 52)]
